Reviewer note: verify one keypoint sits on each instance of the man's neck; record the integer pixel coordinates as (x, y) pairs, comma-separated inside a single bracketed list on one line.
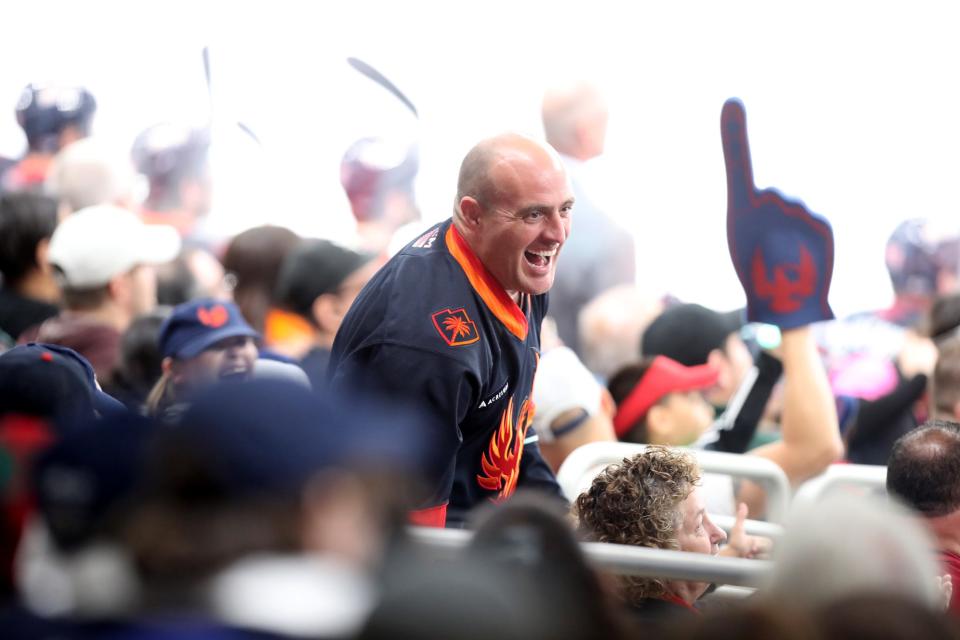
[(946, 529), (108, 314), (516, 296), (38, 286)]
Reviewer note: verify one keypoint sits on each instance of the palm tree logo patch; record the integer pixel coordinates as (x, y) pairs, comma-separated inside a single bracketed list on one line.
[(455, 327)]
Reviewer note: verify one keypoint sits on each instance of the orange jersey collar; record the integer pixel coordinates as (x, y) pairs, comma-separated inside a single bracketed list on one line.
[(496, 298)]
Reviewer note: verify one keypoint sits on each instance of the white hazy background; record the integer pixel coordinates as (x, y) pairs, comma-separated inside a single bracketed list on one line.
[(853, 107)]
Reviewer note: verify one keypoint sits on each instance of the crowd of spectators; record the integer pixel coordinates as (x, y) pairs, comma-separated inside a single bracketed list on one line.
[(232, 439)]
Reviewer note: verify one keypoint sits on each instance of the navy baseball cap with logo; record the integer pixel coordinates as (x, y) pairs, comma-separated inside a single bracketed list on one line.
[(51, 380), (195, 326)]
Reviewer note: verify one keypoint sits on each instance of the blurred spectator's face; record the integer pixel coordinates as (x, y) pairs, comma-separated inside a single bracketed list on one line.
[(143, 289), (686, 416), (209, 275), (229, 359), (697, 534), (595, 133), (353, 284), (733, 365)]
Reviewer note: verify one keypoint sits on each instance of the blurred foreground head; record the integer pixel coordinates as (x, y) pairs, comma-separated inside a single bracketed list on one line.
[(848, 545), (282, 470), (378, 176), (575, 119), (253, 260), (923, 261)]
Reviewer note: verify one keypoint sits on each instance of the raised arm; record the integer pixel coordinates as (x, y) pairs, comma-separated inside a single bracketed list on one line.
[(783, 255)]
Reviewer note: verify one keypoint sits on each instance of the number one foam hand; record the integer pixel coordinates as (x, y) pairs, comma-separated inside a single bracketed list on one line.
[(783, 254)]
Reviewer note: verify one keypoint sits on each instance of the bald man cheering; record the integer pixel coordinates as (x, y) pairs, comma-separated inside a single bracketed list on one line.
[(452, 323)]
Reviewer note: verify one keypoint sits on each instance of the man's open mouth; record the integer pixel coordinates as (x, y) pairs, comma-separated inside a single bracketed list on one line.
[(540, 258)]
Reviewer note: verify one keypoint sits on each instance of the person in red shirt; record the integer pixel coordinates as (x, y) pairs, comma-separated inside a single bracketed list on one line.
[(924, 472)]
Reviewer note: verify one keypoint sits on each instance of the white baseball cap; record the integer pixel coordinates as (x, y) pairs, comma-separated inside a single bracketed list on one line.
[(97, 243)]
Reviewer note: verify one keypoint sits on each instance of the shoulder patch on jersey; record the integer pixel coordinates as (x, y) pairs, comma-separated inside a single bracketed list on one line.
[(455, 327), (426, 240)]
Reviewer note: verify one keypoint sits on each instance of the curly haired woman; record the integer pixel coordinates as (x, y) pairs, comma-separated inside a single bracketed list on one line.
[(651, 500)]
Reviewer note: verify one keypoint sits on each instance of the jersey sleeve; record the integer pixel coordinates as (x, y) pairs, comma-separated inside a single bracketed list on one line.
[(535, 473)]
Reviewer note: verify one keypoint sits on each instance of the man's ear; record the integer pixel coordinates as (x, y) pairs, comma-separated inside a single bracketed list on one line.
[(470, 211), (956, 411), (40, 255), (608, 405), (119, 287), (168, 366), (717, 359), (324, 311)]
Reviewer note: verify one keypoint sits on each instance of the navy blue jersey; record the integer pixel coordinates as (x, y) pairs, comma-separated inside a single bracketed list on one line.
[(434, 327)]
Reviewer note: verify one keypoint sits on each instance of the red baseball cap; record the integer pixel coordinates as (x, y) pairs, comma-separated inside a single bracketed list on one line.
[(662, 377)]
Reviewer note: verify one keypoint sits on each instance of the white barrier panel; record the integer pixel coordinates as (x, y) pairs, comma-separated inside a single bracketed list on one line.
[(838, 477), (583, 464), (629, 560)]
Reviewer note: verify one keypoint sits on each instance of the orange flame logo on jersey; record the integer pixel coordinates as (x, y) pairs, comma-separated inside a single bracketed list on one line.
[(501, 462)]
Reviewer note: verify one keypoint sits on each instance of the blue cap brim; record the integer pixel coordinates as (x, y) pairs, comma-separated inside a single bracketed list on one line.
[(195, 347)]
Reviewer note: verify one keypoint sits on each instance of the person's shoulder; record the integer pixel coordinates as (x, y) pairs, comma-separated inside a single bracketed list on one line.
[(661, 609), (19, 314), (951, 560), (431, 240), (424, 261), (420, 304)]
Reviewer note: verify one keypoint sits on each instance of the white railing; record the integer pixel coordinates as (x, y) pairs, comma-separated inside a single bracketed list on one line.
[(843, 477), (739, 575), (582, 465), (628, 560)]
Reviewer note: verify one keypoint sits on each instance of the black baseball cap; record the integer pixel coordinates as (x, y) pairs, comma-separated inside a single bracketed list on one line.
[(315, 267), (688, 333)]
